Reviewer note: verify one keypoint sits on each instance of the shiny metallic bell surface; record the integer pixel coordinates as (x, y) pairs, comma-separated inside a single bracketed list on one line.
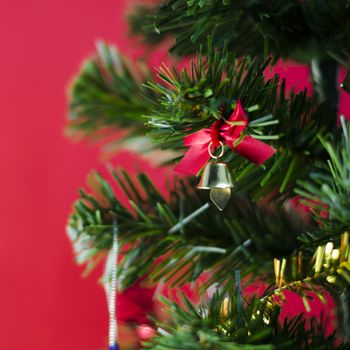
[(215, 175)]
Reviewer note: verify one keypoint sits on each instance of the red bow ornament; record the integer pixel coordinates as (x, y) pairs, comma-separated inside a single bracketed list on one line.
[(228, 132)]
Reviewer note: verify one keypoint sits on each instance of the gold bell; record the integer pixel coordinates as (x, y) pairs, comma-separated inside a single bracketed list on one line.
[(216, 177)]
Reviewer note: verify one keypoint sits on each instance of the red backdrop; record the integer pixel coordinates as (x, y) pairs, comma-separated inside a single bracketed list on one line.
[(44, 302)]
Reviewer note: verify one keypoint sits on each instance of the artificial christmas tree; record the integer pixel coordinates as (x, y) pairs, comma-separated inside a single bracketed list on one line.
[(281, 188)]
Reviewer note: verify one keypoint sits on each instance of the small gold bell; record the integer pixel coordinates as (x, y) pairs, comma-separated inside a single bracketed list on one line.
[(217, 178)]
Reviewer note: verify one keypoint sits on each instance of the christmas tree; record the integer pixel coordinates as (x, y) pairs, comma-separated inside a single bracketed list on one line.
[(272, 167)]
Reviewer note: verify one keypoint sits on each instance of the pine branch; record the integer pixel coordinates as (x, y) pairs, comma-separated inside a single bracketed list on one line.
[(107, 93), (300, 30), (320, 261), (256, 328), (328, 268), (183, 232), (193, 100), (328, 190)]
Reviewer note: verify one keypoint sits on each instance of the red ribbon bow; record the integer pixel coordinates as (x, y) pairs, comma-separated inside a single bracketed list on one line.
[(228, 132)]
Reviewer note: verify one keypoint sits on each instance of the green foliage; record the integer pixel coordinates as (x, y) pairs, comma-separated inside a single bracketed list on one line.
[(328, 269), (256, 328), (187, 239), (108, 93), (194, 99), (295, 29), (177, 238), (328, 188)]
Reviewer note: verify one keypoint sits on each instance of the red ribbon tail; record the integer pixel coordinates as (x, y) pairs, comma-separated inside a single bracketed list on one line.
[(193, 160), (254, 150)]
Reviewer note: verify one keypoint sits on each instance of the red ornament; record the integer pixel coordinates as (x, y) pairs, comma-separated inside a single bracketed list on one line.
[(228, 132)]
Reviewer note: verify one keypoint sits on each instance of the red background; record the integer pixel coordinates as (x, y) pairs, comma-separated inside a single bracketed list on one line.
[(44, 302)]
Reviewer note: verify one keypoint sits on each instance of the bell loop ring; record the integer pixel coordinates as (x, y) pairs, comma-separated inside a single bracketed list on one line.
[(221, 150)]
